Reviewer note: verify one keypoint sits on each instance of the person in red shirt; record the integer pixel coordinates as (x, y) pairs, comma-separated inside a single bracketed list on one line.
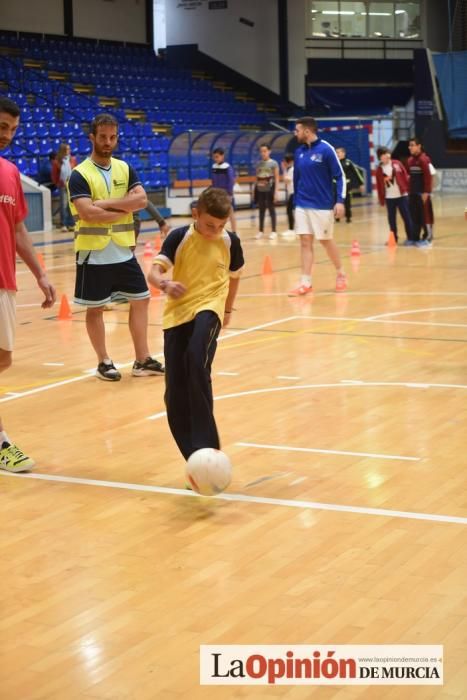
[(14, 239), (421, 182), (392, 184)]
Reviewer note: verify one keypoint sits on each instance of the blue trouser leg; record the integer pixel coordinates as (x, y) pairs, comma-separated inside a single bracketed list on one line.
[(189, 351), (403, 203), (416, 214), (391, 206)]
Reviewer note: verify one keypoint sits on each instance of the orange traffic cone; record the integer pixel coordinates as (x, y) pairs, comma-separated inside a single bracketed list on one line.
[(267, 265), (392, 240), (41, 260), (355, 249), (157, 243), (148, 250), (64, 312), (154, 291)]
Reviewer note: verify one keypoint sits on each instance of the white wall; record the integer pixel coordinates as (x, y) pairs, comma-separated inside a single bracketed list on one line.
[(160, 26), (296, 25), (116, 20), (44, 16), (251, 51)]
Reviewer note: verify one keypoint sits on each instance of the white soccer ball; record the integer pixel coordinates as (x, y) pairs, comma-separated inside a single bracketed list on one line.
[(208, 471)]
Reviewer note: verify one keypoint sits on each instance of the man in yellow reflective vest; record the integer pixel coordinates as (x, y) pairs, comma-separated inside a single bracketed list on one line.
[(104, 192)]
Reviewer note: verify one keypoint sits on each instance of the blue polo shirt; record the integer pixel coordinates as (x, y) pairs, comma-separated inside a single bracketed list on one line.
[(316, 169)]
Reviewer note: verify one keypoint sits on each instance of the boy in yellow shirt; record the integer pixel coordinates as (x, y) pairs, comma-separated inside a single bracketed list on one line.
[(207, 261)]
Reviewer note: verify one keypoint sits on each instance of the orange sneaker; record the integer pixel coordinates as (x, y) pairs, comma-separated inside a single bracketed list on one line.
[(300, 291), (341, 282)]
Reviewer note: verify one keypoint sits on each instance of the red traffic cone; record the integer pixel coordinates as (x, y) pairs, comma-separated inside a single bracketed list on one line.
[(64, 312), (355, 249), (267, 265), (41, 260), (157, 243), (392, 240), (148, 250)]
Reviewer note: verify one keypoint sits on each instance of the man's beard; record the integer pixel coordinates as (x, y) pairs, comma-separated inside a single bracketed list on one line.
[(103, 153)]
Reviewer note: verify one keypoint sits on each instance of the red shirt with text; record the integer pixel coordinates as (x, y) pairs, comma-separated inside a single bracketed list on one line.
[(13, 209)]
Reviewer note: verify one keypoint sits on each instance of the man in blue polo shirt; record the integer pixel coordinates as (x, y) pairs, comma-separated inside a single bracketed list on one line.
[(318, 182)]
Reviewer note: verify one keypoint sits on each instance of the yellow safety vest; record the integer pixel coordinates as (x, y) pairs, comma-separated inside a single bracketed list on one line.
[(91, 235)]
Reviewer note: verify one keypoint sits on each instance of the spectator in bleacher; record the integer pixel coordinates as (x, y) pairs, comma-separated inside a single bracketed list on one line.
[(287, 175), (61, 172), (104, 193), (44, 176), (353, 178), (266, 189), (223, 177), (392, 183), (421, 184), (14, 240)]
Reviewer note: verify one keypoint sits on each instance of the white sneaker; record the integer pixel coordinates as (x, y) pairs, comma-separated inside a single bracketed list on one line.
[(272, 235), (259, 235), (289, 232)]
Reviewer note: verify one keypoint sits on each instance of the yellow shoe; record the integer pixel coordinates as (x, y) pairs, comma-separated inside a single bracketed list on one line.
[(13, 460)]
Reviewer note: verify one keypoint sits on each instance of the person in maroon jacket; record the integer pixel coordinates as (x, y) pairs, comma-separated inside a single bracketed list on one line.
[(421, 208), (392, 183)]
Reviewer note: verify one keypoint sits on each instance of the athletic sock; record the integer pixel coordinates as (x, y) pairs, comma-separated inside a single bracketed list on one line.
[(4, 438)]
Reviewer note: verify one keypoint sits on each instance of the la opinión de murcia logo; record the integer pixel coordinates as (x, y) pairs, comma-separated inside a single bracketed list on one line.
[(305, 665)]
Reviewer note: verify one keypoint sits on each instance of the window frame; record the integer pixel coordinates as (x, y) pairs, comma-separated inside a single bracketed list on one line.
[(341, 7)]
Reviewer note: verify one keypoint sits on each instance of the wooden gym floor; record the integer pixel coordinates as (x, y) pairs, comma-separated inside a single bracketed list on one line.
[(348, 412)]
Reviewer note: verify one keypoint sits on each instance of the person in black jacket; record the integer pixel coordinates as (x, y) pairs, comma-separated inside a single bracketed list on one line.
[(354, 180)]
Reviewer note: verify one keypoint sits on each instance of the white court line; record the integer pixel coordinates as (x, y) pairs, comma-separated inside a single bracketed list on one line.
[(287, 448), (53, 364), (52, 268), (233, 334), (349, 293), (46, 387), (28, 306), (227, 374), (347, 385), (240, 498), (414, 311), (378, 319), (39, 389), (286, 376)]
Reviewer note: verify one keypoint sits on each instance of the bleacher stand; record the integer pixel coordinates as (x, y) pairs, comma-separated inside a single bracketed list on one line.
[(60, 84)]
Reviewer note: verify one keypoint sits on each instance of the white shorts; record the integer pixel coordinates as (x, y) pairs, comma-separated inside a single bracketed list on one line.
[(317, 222), (7, 319)]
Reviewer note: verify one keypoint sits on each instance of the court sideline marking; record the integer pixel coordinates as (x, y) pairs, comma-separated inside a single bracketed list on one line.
[(348, 383), (241, 498), (289, 448)]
